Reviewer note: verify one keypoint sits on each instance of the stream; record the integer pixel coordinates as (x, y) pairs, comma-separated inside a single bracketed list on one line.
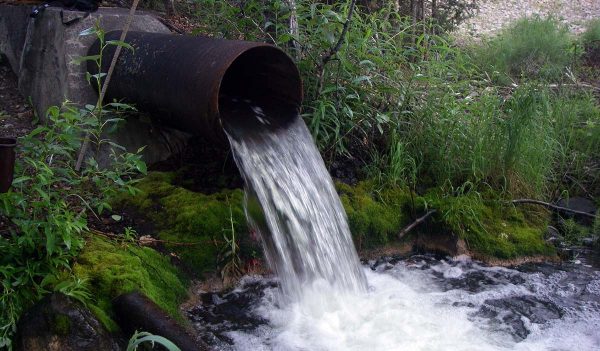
[(322, 298), (415, 303)]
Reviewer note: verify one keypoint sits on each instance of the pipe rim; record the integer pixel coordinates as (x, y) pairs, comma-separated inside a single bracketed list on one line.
[(8, 142)]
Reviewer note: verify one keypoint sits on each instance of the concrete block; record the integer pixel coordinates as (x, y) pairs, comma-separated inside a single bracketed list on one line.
[(42, 51)]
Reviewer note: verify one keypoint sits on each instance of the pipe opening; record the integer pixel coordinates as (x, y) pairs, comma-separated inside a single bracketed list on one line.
[(261, 81)]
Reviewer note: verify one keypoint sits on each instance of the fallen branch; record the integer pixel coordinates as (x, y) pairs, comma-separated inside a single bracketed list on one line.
[(555, 207), (418, 221)]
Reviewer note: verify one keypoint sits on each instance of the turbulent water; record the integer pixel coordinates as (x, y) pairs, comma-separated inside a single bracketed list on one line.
[(292, 203), (415, 303), (322, 298)]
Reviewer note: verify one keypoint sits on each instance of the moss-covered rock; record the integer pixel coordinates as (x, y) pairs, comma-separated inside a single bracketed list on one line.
[(195, 222), (113, 269)]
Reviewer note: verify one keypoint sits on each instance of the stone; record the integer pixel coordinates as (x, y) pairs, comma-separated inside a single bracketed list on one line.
[(42, 52), (580, 204), (441, 243), (59, 323)]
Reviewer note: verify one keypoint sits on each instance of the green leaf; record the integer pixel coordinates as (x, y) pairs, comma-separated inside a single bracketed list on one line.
[(81, 59), (116, 218), (120, 43)]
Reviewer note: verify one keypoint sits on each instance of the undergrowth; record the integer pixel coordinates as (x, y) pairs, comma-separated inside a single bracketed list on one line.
[(533, 48)]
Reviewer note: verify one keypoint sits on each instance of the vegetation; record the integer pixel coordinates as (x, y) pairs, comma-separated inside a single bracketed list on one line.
[(144, 338), (196, 226), (48, 206), (111, 269), (432, 125), (535, 48)]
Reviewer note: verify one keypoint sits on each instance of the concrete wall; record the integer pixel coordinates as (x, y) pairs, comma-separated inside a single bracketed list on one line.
[(41, 52)]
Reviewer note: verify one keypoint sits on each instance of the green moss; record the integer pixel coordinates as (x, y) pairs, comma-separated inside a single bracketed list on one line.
[(374, 217), (489, 228), (113, 269), (62, 324), (194, 220)]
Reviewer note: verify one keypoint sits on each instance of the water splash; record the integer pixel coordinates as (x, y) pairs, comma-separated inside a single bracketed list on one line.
[(291, 201)]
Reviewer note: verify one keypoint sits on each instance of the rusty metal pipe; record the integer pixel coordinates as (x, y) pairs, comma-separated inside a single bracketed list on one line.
[(7, 162), (180, 79)]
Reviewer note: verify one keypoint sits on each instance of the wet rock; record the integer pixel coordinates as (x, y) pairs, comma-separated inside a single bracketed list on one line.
[(58, 323), (553, 236), (514, 314), (446, 244)]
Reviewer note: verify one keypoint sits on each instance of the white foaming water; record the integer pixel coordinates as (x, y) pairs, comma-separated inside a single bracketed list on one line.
[(406, 309), (300, 217), (326, 304)]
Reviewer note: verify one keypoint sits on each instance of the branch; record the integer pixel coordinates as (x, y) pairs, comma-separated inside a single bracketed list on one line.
[(327, 57), (111, 68), (411, 226), (555, 207)]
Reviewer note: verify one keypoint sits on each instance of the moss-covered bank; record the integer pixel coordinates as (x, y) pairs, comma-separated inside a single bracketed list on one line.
[(491, 227), (113, 268), (195, 223)]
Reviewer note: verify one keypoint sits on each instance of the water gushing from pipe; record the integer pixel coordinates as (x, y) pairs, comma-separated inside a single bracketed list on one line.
[(291, 200)]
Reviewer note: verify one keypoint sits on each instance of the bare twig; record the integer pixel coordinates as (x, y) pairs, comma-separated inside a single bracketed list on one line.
[(555, 207), (329, 55), (418, 221), (111, 68)]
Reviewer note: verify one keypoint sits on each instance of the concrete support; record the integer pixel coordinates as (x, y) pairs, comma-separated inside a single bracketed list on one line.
[(41, 52)]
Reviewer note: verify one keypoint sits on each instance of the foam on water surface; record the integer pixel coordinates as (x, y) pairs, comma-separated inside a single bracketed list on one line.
[(323, 299)]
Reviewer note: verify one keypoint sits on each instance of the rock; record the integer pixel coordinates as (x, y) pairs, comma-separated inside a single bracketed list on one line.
[(42, 52), (58, 323), (553, 236), (580, 204), (440, 243)]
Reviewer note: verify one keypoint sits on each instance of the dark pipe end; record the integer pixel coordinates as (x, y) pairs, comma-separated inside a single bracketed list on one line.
[(7, 162), (262, 76), (8, 142)]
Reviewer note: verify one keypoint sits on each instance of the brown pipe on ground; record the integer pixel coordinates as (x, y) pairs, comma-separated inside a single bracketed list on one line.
[(7, 162), (135, 311), (181, 79)]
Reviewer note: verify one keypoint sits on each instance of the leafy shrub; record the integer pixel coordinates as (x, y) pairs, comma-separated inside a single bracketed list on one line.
[(531, 47), (48, 205), (50, 199)]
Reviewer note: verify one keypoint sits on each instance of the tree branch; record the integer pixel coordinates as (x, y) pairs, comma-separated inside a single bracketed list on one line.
[(411, 226), (555, 207), (329, 55)]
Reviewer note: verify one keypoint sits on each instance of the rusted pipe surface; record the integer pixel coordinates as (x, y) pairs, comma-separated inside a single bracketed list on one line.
[(181, 79), (135, 311)]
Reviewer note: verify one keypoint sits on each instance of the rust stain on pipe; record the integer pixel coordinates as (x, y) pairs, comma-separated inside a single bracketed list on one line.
[(180, 79)]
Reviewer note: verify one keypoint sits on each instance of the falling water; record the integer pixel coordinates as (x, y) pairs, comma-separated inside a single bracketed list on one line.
[(291, 201)]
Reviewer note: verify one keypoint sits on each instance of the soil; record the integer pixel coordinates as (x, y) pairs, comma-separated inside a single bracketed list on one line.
[(493, 15), (16, 114)]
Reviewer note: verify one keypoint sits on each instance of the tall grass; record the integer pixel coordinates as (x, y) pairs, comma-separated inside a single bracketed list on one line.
[(534, 48), (423, 113)]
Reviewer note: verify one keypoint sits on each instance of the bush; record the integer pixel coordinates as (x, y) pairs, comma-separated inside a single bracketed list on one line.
[(531, 48), (591, 42)]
